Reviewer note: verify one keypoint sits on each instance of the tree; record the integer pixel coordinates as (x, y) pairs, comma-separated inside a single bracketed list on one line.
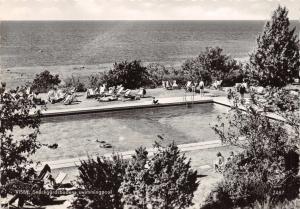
[(16, 113), (165, 181), (131, 75), (269, 160), (101, 174), (134, 185), (157, 72), (44, 81), (210, 65), (275, 61)]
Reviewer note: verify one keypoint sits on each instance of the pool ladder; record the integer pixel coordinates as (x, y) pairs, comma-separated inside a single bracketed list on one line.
[(185, 96)]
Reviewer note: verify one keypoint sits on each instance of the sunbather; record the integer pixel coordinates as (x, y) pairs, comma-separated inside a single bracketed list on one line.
[(129, 95), (141, 92), (108, 98)]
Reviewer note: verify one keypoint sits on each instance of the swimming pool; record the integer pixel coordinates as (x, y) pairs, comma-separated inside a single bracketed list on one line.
[(76, 135)]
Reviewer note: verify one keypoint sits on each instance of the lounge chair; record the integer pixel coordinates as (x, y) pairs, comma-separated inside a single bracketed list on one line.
[(111, 91), (141, 92), (188, 86), (163, 83), (128, 94), (91, 93), (108, 98), (69, 99), (168, 86), (120, 91), (175, 85)]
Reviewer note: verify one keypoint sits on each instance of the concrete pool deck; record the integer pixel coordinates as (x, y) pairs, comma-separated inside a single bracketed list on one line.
[(162, 102), (72, 162)]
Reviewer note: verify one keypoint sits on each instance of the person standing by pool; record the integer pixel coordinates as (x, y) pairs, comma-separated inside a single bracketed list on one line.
[(242, 90), (201, 86)]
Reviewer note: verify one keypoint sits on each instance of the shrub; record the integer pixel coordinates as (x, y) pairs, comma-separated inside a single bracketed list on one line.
[(276, 60), (210, 65), (101, 174), (131, 75), (265, 168), (44, 81), (75, 83), (157, 73), (165, 181)]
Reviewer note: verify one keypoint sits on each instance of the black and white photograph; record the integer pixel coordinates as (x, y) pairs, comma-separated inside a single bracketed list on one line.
[(149, 104)]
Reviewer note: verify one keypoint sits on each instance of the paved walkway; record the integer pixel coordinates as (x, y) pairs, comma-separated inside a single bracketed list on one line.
[(72, 162)]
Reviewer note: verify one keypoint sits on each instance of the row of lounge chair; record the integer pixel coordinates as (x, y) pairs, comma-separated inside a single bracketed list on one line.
[(115, 93), (67, 97)]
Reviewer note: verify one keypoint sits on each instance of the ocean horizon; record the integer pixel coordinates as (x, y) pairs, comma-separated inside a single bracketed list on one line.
[(53, 43)]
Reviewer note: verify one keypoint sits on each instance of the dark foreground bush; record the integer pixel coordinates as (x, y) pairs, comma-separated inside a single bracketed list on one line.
[(102, 175), (44, 81), (165, 181)]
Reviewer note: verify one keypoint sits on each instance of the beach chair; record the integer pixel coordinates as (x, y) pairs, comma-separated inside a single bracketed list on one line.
[(163, 84), (168, 86), (128, 94), (60, 178), (120, 91), (175, 85), (90, 93), (111, 91), (188, 86)]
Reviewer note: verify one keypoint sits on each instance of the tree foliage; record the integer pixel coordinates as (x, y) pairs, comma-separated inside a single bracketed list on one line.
[(131, 75), (210, 65), (44, 81), (164, 181), (269, 159), (101, 174), (275, 61), (16, 112)]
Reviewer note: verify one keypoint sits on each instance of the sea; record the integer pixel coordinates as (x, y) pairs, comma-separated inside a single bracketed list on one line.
[(52, 43)]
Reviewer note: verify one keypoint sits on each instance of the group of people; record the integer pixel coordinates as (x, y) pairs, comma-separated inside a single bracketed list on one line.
[(195, 87), (23, 92), (220, 162), (168, 86), (56, 95), (104, 94)]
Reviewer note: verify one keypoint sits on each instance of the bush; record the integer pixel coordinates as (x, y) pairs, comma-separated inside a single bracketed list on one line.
[(131, 75), (101, 174), (94, 81), (44, 81), (210, 65), (166, 181), (269, 163), (75, 83), (157, 73)]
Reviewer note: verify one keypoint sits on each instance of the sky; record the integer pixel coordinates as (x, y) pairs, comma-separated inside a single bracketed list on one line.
[(144, 9)]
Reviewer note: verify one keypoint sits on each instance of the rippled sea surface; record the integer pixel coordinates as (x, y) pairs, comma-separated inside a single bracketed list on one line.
[(50, 43), (126, 130)]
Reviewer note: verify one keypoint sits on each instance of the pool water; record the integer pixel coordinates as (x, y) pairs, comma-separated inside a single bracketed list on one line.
[(76, 135)]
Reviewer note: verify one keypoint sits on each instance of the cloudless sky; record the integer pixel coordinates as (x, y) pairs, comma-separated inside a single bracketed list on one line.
[(144, 9)]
